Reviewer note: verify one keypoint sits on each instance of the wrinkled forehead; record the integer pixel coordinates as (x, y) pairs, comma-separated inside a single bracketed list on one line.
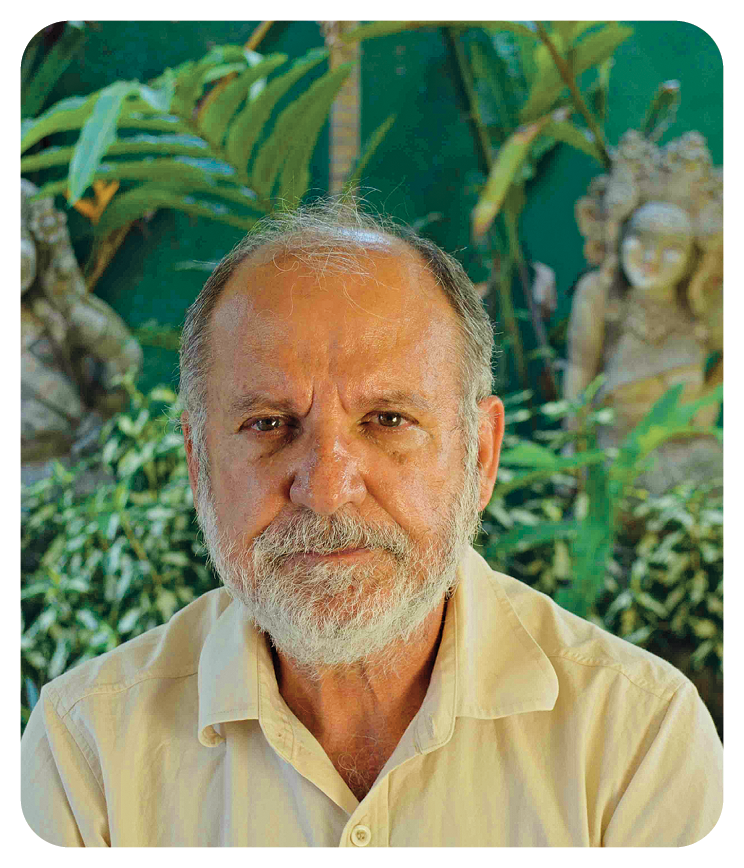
[(337, 296)]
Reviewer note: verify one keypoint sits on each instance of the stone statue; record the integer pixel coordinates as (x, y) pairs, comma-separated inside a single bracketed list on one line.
[(651, 314), (73, 345)]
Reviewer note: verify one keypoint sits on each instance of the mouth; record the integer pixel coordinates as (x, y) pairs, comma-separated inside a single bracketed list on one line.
[(340, 555)]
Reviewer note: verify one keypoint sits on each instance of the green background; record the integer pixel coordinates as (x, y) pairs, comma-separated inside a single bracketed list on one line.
[(425, 166)]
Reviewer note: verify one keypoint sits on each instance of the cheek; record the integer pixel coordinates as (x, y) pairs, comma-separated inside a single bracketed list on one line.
[(632, 251), (417, 494), (672, 260), (246, 498)]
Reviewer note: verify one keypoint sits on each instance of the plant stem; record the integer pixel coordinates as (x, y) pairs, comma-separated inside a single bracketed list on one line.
[(463, 67), (257, 35), (578, 99), (483, 146), (537, 322)]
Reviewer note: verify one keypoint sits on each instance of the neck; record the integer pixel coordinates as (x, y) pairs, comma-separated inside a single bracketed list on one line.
[(658, 294), (374, 699)]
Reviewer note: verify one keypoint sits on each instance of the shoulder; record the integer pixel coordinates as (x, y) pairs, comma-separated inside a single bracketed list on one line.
[(590, 289), (582, 652), (169, 651)]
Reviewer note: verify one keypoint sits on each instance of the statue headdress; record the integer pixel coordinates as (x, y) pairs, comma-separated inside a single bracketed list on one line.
[(680, 173)]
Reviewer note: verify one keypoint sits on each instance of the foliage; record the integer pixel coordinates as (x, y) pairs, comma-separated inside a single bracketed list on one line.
[(207, 149), (41, 68), (668, 569), (110, 547), (582, 529)]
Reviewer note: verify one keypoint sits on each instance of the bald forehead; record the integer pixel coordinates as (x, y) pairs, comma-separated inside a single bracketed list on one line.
[(384, 298), (339, 249)]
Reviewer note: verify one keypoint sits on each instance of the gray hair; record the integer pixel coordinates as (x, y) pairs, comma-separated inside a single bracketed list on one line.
[(336, 236)]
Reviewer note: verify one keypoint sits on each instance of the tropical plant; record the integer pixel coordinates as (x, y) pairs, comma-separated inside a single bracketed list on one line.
[(217, 162), (671, 569), (47, 56), (109, 547), (600, 481)]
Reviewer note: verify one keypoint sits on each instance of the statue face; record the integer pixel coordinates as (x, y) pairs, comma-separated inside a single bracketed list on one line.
[(657, 245)]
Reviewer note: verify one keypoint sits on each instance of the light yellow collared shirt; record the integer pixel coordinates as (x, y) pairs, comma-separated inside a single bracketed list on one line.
[(538, 729)]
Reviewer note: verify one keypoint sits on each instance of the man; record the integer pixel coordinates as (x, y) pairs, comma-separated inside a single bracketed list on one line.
[(364, 678)]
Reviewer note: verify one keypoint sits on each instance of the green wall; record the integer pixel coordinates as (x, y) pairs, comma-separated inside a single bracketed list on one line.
[(424, 167)]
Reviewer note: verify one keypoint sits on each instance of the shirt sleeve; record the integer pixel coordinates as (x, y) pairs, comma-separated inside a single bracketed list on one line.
[(675, 796), (62, 800)]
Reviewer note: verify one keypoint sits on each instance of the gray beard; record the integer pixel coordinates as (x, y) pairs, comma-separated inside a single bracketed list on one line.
[(326, 614)]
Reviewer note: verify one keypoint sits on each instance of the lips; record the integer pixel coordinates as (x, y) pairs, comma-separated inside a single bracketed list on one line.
[(339, 554)]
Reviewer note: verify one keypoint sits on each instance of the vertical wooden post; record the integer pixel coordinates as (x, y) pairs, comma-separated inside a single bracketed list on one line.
[(346, 112)]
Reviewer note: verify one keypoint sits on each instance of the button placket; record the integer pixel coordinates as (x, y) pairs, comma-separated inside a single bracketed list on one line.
[(361, 835)]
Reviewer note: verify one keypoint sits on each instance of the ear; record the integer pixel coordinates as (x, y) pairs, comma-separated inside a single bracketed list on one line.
[(490, 435), (192, 461)]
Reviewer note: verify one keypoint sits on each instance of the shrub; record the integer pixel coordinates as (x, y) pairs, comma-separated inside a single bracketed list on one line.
[(110, 547)]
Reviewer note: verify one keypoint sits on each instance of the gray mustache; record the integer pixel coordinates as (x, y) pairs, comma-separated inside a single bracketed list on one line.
[(309, 533)]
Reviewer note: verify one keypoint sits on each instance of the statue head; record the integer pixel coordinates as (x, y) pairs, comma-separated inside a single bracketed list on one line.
[(657, 245)]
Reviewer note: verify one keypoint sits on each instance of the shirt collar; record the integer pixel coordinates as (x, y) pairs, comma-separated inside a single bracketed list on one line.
[(488, 665), (501, 670), (228, 673)]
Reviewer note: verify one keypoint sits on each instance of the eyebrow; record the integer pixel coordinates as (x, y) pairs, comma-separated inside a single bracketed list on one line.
[(253, 402)]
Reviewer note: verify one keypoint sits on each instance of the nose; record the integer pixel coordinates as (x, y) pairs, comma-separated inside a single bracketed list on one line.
[(651, 254), (326, 476)]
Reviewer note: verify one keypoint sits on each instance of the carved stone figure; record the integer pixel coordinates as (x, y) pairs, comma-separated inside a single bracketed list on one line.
[(652, 313), (73, 345)]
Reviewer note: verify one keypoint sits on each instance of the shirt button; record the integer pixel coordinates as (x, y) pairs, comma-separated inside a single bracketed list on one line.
[(361, 835)]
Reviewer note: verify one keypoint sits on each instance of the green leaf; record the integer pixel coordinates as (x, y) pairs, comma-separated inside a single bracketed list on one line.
[(526, 454), (520, 480), (172, 145), (295, 134), (36, 90), (247, 126), (648, 602), (98, 132), (32, 693), (149, 197), (159, 123), (510, 158), (178, 176), (370, 146), (591, 51), (524, 538), (190, 82), (159, 98), (176, 559), (390, 28), (67, 114), (127, 623), (571, 30), (591, 548), (215, 118), (579, 138), (87, 619), (662, 110), (599, 46), (60, 657)]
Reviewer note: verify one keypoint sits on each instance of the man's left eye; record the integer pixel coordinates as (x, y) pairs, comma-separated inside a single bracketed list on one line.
[(390, 420), (270, 423)]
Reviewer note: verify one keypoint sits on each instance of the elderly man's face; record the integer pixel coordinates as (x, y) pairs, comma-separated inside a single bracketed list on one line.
[(338, 501)]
